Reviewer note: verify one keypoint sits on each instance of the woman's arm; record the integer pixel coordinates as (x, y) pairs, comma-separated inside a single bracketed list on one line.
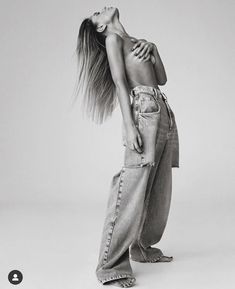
[(159, 67), (143, 49), (117, 67), (116, 63)]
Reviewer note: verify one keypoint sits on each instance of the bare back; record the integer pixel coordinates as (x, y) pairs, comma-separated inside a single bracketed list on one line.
[(138, 72)]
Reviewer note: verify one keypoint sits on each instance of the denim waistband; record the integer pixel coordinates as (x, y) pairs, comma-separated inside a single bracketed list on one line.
[(154, 91)]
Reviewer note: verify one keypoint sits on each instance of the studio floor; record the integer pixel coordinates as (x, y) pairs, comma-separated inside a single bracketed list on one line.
[(55, 246)]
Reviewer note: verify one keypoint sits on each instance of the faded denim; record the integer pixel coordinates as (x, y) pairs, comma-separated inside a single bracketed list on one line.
[(140, 193)]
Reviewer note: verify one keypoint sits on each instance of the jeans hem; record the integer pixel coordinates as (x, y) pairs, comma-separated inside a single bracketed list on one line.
[(175, 166), (115, 277)]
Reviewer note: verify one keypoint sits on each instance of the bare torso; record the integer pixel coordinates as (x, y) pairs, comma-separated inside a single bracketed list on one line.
[(138, 72)]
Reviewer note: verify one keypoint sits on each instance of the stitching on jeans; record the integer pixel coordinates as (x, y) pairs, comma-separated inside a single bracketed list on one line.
[(142, 225), (110, 232), (117, 277)]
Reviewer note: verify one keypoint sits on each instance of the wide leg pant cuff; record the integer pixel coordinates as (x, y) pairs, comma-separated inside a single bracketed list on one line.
[(114, 276)]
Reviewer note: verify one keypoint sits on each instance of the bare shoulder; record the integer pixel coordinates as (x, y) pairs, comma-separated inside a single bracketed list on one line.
[(113, 39)]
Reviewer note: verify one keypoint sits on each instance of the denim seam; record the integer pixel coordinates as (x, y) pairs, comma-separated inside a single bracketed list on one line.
[(168, 108), (110, 232)]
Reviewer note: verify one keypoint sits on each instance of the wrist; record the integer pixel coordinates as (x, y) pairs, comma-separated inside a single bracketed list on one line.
[(130, 125)]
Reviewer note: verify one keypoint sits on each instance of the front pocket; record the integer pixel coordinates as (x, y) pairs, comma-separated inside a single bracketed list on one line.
[(148, 126), (149, 107), (146, 115)]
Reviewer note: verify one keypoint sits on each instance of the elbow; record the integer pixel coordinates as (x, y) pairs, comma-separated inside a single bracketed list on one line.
[(162, 81)]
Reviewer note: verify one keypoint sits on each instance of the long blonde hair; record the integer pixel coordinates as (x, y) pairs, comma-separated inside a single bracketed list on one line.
[(94, 76)]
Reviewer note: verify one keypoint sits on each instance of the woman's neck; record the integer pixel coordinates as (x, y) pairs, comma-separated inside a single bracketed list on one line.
[(117, 27)]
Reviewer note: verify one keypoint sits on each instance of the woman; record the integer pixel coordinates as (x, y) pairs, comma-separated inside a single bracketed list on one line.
[(115, 66)]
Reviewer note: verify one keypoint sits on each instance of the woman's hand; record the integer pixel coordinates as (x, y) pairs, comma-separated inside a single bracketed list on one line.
[(133, 139), (142, 48)]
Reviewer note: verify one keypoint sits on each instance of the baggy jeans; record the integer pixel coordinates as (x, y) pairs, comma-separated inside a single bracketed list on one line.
[(140, 193)]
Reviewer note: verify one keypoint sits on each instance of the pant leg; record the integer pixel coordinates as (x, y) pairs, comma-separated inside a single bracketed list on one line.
[(156, 212), (126, 201), (158, 196), (123, 215)]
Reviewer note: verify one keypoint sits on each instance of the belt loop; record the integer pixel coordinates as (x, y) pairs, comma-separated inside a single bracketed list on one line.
[(159, 93), (155, 95)]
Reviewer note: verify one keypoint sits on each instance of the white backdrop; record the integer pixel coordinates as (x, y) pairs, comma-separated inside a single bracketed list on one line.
[(56, 166)]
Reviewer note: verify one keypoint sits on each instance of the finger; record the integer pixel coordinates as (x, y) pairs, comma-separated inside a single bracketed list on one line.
[(131, 147), (152, 59), (136, 145), (136, 45), (144, 50), (138, 42), (134, 40), (139, 140), (139, 48), (147, 58), (147, 53)]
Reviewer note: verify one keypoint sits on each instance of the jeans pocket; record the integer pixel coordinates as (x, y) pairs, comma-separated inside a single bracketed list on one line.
[(147, 124), (149, 106), (148, 128)]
